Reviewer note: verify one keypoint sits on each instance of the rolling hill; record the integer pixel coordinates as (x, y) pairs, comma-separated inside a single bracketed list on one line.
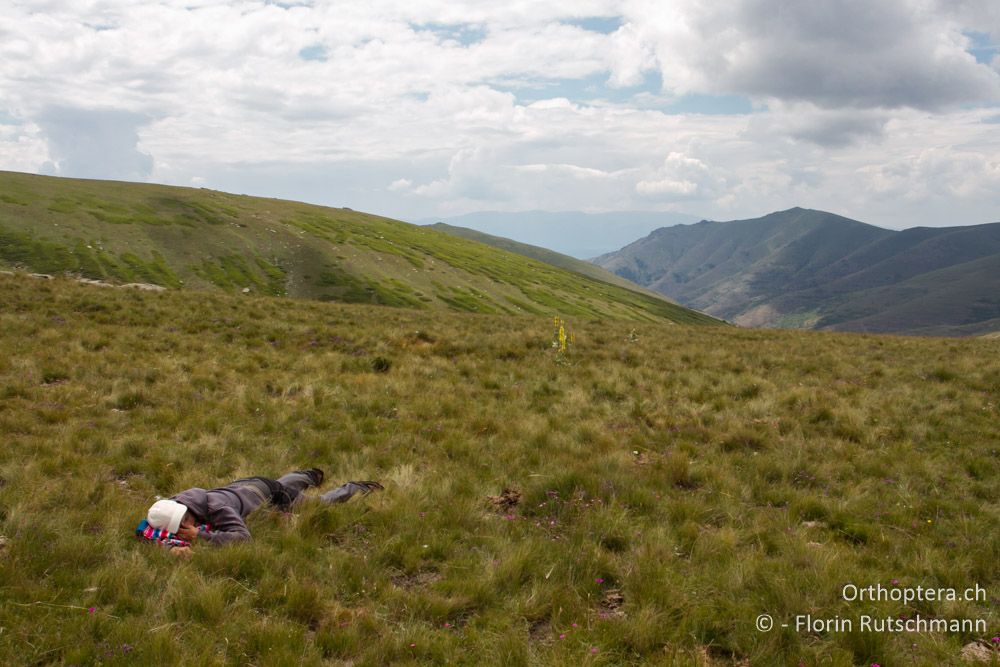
[(574, 233), (811, 269), (542, 255), (195, 238)]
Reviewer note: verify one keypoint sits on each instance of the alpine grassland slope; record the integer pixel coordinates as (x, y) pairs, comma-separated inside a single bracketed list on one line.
[(639, 497), (541, 254), (194, 238)]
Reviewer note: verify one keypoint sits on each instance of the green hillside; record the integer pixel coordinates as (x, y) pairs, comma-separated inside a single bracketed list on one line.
[(664, 485), (803, 268), (201, 239), (542, 255), (962, 299)]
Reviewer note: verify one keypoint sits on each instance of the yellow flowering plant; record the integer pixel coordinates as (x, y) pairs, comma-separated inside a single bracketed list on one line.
[(562, 340)]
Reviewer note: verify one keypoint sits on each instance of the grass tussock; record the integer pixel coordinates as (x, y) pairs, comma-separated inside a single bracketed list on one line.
[(637, 497)]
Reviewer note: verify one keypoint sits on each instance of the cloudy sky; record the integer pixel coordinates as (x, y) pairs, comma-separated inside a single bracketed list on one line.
[(887, 111)]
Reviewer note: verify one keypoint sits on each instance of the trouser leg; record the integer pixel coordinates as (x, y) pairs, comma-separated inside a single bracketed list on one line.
[(300, 480), (261, 491), (342, 493)]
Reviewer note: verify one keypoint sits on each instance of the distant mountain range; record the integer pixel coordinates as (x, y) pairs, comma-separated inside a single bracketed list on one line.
[(812, 269), (580, 235)]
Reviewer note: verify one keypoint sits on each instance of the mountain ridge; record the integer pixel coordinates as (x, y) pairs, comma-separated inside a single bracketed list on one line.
[(543, 255), (813, 269), (574, 233)]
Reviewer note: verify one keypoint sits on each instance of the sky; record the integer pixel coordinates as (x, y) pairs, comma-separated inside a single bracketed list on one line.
[(886, 111)]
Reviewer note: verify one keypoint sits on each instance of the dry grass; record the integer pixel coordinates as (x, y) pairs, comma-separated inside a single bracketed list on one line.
[(674, 482)]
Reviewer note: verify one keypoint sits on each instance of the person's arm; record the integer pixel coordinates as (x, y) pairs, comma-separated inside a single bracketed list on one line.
[(162, 538), (227, 526)]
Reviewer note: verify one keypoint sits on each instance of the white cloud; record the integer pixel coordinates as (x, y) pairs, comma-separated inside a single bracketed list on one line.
[(836, 53), (830, 128), (681, 177), (569, 170), (414, 110), (94, 143), (937, 173)]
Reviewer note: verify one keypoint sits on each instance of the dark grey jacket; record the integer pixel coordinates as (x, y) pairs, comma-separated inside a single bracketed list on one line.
[(223, 509)]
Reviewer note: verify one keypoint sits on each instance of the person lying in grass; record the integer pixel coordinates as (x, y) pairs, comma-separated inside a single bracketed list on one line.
[(216, 516)]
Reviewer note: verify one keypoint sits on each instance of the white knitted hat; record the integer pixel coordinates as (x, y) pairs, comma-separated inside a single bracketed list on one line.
[(166, 515)]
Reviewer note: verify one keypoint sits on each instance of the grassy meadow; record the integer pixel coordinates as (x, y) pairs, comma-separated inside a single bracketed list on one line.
[(637, 499)]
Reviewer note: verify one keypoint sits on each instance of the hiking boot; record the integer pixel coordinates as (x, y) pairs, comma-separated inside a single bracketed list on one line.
[(315, 475), (343, 493), (368, 487)]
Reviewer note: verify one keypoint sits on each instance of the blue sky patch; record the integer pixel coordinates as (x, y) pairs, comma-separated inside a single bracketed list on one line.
[(648, 95), (711, 105), (465, 34), (313, 52), (602, 24), (591, 88), (983, 48)]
